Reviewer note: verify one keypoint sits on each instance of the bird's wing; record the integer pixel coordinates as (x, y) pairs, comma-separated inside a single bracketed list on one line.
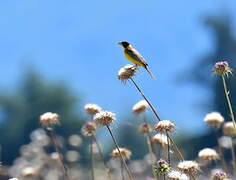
[(133, 53)]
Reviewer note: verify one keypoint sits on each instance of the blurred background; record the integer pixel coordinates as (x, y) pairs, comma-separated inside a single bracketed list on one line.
[(60, 55)]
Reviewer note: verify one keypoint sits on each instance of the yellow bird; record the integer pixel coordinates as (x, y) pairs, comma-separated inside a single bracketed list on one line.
[(135, 57)]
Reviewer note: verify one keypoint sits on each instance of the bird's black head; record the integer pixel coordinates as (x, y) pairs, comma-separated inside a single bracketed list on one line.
[(125, 44)]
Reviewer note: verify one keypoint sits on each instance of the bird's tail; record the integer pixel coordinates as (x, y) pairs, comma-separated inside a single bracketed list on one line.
[(150, 72)]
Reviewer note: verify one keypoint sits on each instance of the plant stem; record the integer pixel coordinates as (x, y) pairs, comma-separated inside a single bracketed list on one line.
[(168, 148), (102, 156), (56, 146), (181, 157), (92, 159), (228, 100), (149, 103), (122, 170), (125, 165)]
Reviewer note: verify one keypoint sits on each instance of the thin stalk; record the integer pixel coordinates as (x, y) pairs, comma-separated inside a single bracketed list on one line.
[(122, 170), (168, 148), (125, 165), (102, 156), (221, 152), (149, 103), (92, 159), (233, 156), (56, 146), (181, 157), (152, 157), (228, 100)]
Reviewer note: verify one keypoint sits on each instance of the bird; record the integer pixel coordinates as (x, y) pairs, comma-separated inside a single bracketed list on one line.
[(135, 57)]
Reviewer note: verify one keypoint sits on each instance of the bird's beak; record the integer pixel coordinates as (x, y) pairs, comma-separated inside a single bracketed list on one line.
[(120, 43)]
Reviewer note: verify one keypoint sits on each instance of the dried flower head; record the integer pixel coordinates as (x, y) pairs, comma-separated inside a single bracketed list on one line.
[(89, 128), (160, 139), (208, 154), (29, 172), (229, 129), (176, 175), (127, 72), (214, 119), (189, 167), (104, 118), (145, 128), (165, 125), (49, 119), (123, 151), (92, 108), (225, 142), (75, 140), (222, 68), (220, 176), (163, 168), (140, 107)]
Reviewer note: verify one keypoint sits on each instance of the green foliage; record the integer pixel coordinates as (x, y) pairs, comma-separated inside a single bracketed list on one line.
[(21, 112)]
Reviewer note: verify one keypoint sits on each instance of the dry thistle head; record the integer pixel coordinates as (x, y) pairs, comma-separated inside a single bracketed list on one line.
[(229, 129), (92, 108), (176, 175), (165, 126), (140, 107), (48, 120), (208, 154), (89, 128), (104, 118), (160, 139), (127, 72), (189, 167), (145, 128), (220, 176), (222, 68), (214, 119), (123, 151), (29, 172), (163, 168)]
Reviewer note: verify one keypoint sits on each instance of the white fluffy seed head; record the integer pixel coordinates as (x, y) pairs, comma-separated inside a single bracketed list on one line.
[(125, 153), (176, 175), (189, 167), (160, 139), (92, 108), (49, 119), (127, 72), (165, 125), (229, 129), (140, 107), (104, 118), (214, 119), (208, 154)]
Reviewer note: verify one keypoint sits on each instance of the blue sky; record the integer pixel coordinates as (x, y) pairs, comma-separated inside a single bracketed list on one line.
[(76, 42)]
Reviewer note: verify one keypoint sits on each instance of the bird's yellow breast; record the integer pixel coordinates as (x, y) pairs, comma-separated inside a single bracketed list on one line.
[(133, 60)]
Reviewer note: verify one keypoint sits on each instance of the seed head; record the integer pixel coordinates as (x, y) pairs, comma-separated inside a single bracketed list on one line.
[(225, 142), (160, 139), (104, 118), (189, 167), (145, 128), (89, 128), (140, 107), (123, 151), (229, 129), (127, 72), (176, 175), (220, 176), (165, 125), (208, 154), (222, 68), (92, 108), (49, 119), (214, 119)]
